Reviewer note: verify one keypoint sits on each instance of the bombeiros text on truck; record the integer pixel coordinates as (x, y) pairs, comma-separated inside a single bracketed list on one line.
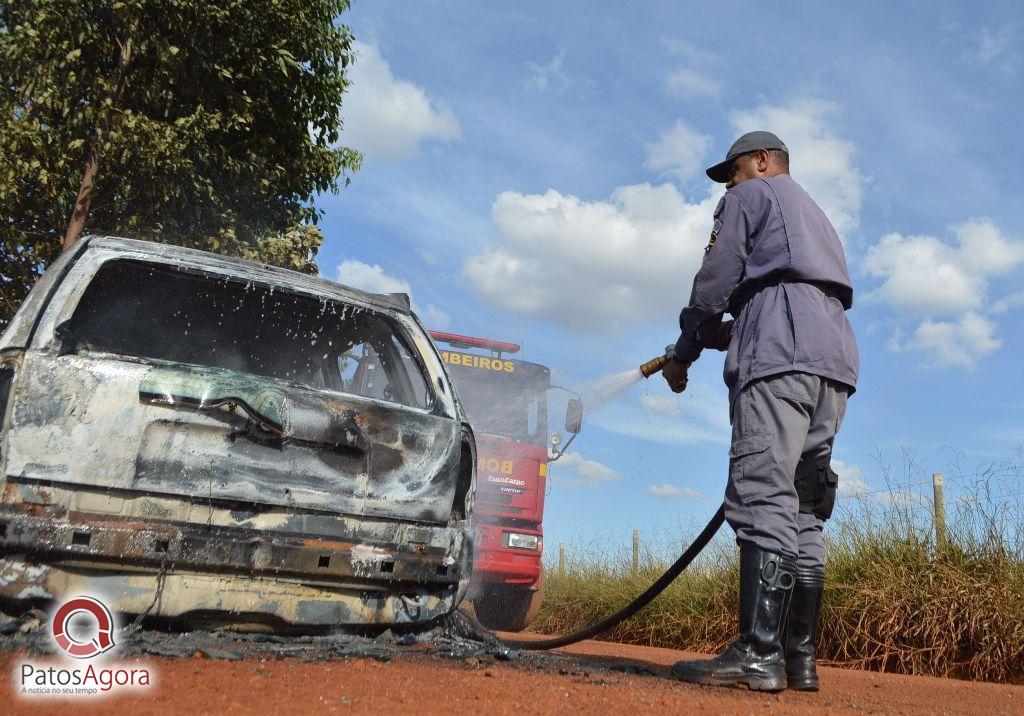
[(507, 404)]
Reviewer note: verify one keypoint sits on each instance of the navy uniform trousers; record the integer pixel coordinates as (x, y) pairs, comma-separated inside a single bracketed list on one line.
[(777, 422)]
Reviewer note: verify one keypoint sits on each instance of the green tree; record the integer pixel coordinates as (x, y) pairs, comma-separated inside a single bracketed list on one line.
[(205, 123)]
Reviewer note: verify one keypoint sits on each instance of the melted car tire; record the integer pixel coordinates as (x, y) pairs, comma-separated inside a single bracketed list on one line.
[(506, 608)]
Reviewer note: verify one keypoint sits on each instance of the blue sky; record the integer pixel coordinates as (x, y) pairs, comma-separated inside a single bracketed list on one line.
[(533, 173)]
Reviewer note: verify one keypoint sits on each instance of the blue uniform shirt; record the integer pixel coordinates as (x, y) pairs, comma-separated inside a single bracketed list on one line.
[(776, 264)]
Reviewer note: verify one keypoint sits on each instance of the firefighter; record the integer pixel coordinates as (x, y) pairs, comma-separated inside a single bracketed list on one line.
[(776, 264)]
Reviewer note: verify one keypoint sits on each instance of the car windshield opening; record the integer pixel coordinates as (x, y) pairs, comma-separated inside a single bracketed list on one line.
[(163, 312)]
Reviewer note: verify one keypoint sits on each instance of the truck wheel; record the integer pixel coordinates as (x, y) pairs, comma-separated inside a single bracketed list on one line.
[(508, 608)]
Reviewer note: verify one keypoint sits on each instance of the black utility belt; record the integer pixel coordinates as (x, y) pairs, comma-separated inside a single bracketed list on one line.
[(738, 302)]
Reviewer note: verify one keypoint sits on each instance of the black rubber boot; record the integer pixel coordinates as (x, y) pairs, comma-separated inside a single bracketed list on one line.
[(802, 629), (755, 658)]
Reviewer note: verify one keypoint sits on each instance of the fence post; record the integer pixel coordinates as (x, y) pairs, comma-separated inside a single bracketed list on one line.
[(939, 511), (561, 559), (636, 551)]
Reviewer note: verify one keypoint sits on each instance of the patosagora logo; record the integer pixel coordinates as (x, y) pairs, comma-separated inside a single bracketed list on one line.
[(101, 642), (82, 628)]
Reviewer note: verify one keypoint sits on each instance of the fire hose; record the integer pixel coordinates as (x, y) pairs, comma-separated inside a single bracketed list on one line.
[(612, 620), (637, 604)]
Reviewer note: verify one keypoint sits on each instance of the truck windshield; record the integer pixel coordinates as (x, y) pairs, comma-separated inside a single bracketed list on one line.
[(503, 398), (162, 312)]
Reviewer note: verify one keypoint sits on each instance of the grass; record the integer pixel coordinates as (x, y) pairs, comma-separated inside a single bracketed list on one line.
[(895, 600)]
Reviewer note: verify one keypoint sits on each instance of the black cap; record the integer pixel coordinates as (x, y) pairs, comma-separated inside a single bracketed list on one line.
[(749, 142)]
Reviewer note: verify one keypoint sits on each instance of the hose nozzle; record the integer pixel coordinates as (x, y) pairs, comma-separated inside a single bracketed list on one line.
[(655, 365)]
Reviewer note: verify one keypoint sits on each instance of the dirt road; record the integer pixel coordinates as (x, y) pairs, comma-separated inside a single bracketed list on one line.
[(591, 677)]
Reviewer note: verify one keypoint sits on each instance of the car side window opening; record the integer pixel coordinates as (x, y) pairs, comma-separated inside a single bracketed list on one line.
[(385, 372), (161, 312)]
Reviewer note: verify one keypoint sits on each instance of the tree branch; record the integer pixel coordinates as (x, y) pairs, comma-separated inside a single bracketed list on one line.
[(83, 202)]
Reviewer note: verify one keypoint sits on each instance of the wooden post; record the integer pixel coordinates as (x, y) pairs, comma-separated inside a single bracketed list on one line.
[(940, 511), (561, 559), (636, 551)]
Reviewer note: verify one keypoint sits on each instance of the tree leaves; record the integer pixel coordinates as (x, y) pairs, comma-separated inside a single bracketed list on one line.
[(220, 134)]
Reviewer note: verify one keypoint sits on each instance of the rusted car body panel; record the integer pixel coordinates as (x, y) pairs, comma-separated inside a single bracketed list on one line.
[(175, 489)]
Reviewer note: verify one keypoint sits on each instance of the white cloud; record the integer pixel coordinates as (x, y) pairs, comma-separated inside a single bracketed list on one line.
[(583, 472), (851, 479), (951, 343), (663, 431), (429, 257), (666, 405), (690, 53), (373, 279), (370, 278), (679, 150), (548, 75), (704, 400), (996, 48), (844, 469), (389, 118), (1008, 303), (926, 278), (593, 266), (901, 499), (689, 83), (435, 317), (698, 76), (853, 487), (922, 276), (667, 491), (820, 161), (627, 259), (698, 416)]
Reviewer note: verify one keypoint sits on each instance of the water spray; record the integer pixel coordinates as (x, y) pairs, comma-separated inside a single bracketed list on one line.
[(598, 393)]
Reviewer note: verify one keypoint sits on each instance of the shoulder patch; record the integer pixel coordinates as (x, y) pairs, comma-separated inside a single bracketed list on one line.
[(714, 235)]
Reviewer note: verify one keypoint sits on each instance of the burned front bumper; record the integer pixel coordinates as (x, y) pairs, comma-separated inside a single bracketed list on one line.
[(233, 574)]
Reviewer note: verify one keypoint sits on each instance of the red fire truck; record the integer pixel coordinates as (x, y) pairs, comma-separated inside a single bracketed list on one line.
[(507, 403)]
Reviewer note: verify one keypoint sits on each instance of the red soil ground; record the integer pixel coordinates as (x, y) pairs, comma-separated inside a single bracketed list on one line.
[(420, 684)]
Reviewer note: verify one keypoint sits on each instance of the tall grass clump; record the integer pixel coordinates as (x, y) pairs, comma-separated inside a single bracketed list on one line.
[(897, 599)]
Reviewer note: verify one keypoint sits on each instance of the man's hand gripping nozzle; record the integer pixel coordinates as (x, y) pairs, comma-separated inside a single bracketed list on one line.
[(674, 372)]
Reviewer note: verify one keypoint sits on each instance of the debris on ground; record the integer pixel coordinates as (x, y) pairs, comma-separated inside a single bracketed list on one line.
[(455, 636)]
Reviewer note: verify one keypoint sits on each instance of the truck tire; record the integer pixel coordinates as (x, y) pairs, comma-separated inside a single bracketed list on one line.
[(503, 607)]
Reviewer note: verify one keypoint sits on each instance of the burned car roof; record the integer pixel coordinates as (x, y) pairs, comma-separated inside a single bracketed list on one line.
[(20, 328), (294, 280)]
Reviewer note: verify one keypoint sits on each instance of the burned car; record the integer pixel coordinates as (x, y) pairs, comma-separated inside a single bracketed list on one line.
[(189, 435)]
